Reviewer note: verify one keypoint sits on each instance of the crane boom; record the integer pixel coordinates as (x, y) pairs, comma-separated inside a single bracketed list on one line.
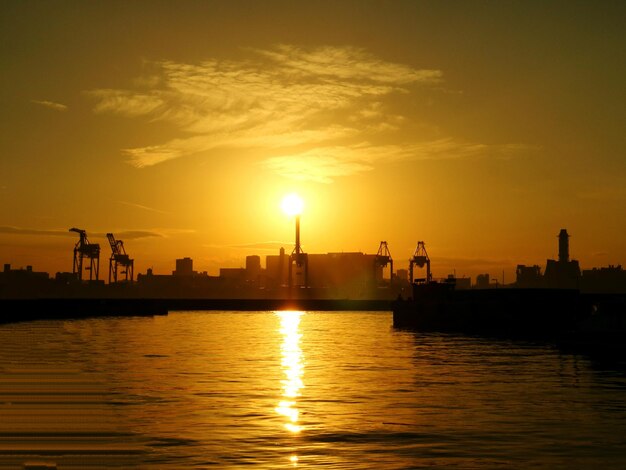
[(421, 259), (119, 258), (383, 258), (84, 249)]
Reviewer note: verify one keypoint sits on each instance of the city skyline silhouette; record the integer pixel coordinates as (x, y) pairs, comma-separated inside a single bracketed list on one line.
[(181, 131)]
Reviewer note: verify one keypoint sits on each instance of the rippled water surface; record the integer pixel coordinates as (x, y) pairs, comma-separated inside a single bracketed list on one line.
[(299, 389)]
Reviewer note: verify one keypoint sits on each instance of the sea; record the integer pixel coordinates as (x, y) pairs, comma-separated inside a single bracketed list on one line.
[(293, 389)]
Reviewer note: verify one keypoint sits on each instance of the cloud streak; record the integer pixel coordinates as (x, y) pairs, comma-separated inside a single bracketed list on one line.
[(324, 164), (28, 231), (265, 246), (145, 208), (125, 234), (50, 105)]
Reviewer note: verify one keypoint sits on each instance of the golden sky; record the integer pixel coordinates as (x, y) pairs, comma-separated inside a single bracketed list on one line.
[(482, 128)]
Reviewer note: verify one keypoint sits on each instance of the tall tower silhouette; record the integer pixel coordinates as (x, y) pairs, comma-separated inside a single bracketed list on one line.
[(563, 273), (563, 246)]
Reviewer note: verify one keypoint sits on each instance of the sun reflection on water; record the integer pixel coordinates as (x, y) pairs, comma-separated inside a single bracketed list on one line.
[(293, 367)]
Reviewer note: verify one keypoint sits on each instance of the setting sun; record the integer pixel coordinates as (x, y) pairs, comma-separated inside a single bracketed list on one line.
[(292, 204)]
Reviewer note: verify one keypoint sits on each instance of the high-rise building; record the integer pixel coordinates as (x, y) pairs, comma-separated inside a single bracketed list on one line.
[(184, 267), (253, 268)]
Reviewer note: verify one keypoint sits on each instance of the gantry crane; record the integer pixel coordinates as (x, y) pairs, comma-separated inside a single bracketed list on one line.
[(420, 258), (382, 259), (119, 258), (84, 249)]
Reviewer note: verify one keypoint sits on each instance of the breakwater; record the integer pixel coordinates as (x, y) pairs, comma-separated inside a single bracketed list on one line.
[(567, 318), (15, 310)]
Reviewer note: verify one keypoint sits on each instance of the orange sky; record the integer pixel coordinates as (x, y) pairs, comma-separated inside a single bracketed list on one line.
[(482, 128)]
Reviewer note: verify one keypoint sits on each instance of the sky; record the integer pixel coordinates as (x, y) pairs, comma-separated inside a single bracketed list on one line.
[(481, 128)]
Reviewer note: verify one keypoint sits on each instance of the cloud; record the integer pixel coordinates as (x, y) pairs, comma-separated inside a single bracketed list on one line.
[(346, 64), (132, 234), (127, 234), (266, 246), (28, 231), (278, 98), (313, 113), (324, 164), (145, 208), (50, 104), (125, 102), (319, 165)]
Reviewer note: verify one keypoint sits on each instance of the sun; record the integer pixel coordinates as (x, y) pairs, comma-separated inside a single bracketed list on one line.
[(292, 204)]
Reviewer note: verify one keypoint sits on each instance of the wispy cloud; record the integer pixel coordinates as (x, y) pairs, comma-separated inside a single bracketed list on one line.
[(346, 64), (269, 246), (125, 102), (133, 234), (282, 97), (265, 246), (145, 208), (313, 113), (323, 164), (29, 231), (50, 104), (123, 234)]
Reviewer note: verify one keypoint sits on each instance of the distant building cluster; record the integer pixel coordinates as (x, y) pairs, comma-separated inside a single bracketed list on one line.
[(331, 275), (350, 275), (566, 274)]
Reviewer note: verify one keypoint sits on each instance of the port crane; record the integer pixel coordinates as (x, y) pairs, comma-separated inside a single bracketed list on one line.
[(383, 258), (83, 249), (119, 258), (420, 259)]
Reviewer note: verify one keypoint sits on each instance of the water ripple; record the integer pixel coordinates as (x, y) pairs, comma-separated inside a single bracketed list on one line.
[(302, 389)]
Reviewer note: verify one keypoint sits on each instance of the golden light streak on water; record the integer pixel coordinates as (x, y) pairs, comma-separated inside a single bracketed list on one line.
[(293, 368)]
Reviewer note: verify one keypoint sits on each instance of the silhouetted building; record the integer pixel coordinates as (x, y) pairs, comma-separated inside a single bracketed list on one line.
[(463, 283), (22, 282), (353, 275), (253, 269), (349, 275), (482, 281), (528, 276), (402, 274), (237, 274), (562, 274), (22, 275), (604, 280), (184, 267), (277, 269), (66, 278), (183, 282)]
